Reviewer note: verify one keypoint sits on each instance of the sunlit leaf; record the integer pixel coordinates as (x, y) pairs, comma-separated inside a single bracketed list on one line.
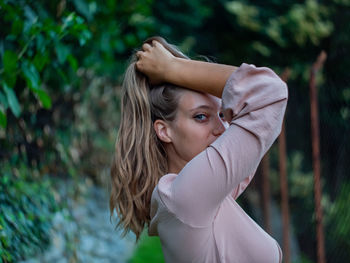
[(69, 19), (12, 100), (84, 36), (30, 14), (44, 98), (247, 15), (83, 8), (31, 75), (262, 49)]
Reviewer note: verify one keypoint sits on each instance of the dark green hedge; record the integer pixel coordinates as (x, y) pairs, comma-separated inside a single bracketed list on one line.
[(26, 209)]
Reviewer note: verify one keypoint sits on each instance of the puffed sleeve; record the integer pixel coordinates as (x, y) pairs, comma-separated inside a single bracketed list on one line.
[(254, 100)]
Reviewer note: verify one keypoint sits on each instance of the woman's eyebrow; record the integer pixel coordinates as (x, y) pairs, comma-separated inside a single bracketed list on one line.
[(205, 107)]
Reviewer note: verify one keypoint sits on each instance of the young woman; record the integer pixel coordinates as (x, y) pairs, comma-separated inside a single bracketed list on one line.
[(183, 156)]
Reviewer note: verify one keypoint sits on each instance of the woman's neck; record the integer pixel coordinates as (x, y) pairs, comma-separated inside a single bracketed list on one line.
[(175, 163)]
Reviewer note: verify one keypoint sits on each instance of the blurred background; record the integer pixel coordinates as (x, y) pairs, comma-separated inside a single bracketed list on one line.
[(61, 66)]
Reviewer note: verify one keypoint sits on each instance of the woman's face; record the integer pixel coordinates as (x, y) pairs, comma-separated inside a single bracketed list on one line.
[(198, 123)]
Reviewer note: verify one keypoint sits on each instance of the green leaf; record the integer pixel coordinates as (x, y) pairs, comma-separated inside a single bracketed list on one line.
[(3, 101), (3, 120), (84, 36), (119, 46), (40, 60), (31, 75), (44, 98), (83, 8), (73, 62), (17, 27), (40, 43), (69, 20), (12, 100), (9, 61), (62, 52), (261, 48), (130, 40)]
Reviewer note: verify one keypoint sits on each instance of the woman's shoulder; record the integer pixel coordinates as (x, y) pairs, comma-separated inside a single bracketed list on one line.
[(162, 195), (163, 187)]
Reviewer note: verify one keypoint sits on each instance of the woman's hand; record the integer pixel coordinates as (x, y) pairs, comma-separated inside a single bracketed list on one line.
[(160, 65), (154, 61)]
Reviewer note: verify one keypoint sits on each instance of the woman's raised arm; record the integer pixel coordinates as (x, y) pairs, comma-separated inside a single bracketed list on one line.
[(161, 66), (257, 99)]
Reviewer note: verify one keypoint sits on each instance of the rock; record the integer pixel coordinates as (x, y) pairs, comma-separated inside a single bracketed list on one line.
[(84, 233)]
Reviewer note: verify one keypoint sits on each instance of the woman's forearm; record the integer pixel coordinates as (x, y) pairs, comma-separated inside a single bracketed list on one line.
[(160, 65), (199, 75)]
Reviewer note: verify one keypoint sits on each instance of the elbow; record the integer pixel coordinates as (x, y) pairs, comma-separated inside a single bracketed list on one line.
[(280, 94), (284, 89), (284, 97), (280, 88)]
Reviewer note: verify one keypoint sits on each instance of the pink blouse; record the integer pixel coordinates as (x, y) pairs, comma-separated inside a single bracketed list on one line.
[(194, 212)]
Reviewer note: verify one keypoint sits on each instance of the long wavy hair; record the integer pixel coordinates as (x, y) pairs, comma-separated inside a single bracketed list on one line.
[(140, 159)]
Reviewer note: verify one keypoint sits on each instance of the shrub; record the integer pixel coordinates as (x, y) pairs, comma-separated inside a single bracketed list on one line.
[(26, 208)]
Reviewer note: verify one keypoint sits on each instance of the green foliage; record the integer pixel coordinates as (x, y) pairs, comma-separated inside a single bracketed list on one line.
[(32, 38), (302, 209), (26, 208), (148, 250), (48, 53), (301, 197), (12, 100), (247, 15), (117, 28), (181, 19), (282, 27), (60, 62), (304, 259), (338, 228), (58, 105)]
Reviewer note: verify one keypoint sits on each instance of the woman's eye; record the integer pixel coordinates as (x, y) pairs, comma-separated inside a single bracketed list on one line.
[(200, 117)]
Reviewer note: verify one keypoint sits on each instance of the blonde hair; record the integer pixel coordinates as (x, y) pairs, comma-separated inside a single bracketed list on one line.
[(140, 159)]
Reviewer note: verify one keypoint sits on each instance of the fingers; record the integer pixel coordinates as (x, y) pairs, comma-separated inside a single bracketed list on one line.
[(155, 43), (139, 54), (158, 45), (138, 63), (146, 47), (155, 38)]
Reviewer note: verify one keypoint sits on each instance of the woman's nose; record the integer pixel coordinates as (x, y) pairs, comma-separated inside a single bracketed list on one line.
[(219, 128)]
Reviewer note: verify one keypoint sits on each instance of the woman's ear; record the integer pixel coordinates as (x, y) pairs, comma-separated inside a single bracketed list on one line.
[(162, 130)]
